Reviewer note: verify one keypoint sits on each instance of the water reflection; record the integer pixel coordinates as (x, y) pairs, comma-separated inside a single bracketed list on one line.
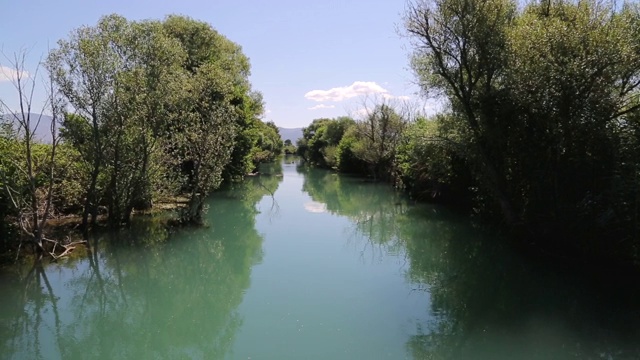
[(374, 209), (36, 306), (150, 293), (487, 301), (491, 303), (142, 292)]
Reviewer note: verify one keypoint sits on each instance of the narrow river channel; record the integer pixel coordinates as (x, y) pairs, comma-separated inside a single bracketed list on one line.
[(307, 264)]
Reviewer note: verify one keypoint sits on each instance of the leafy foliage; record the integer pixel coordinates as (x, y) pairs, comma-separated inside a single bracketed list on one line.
[(542, 104), (164, 108), (320, 140)]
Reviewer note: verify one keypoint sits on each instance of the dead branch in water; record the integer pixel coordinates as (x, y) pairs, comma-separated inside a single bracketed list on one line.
[(68, 248)]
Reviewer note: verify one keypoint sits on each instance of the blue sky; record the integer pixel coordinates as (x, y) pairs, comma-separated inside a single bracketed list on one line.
[(309, 59)]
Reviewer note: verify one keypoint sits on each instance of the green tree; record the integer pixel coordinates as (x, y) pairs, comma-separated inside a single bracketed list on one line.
[(142, 104), (311, 143), (203, 146), (29, 174), (269, 145), (574, 112), (377, 137), (459, 52), (169, 108), (289, 148), (544, 102), (204, 45), (321, 138), (428, 161), (9, 148), (83, 67)]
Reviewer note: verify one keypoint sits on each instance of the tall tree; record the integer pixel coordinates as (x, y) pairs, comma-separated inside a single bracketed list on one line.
[(459, 52), (544, 104), (169, 106), (378, 135), (30, 189), (573, 75), (205, 46), (203, 146), (142, 105), (84, 69)]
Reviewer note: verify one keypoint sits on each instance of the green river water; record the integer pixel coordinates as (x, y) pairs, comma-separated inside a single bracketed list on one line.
[(306, 264)]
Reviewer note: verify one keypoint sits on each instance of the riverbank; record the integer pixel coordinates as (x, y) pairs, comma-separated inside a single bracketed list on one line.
[(325, 262), (63, 234), (557, 249)]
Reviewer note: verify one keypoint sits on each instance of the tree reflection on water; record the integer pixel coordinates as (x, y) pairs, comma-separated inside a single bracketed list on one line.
[(487, 300), (142, 292)]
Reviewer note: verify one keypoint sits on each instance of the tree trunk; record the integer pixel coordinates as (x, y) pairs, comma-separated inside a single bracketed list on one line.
[(90, 206)]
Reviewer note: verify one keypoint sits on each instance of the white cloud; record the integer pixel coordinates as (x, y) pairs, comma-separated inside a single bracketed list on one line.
[(358, 88), (322, 106), (360, 112), (346, 92), (9, 74), (401, 97), (315, 207)]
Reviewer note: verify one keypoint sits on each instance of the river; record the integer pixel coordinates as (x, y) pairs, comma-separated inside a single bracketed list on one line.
[(306, 264)]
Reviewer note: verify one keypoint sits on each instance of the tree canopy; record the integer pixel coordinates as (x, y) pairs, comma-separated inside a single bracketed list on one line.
[(150, 111)]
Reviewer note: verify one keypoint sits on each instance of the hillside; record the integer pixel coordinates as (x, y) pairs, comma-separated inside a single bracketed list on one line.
[(43, 130), (291, 134)]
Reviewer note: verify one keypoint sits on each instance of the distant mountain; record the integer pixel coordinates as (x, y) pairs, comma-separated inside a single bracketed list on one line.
[(291, 134), (42, 132)]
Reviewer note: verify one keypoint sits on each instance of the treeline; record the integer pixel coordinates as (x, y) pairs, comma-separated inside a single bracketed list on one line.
[(367, 146), (223, 262), (540, 131), (143, 111)]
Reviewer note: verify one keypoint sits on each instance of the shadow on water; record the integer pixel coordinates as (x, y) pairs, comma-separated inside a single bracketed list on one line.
[(146, 292), (143, 292), (487, 301)]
